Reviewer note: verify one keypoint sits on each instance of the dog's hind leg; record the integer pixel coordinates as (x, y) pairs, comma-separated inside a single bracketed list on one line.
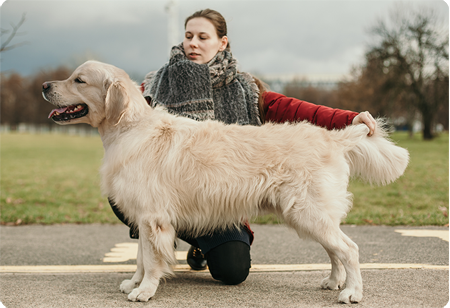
[(336, 279), (157, 256), (129, 284), (338, 246)]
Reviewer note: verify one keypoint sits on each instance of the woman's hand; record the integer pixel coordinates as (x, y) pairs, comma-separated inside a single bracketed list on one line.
[(366, 118)]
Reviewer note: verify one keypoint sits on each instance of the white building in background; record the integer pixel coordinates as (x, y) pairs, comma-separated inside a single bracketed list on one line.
[(173, 36)]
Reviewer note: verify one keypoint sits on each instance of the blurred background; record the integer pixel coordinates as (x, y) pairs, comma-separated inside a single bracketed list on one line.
[(387, 57), (384, 56)]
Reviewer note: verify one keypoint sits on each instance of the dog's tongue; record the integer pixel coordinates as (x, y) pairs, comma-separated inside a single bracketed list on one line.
[(59, 110)]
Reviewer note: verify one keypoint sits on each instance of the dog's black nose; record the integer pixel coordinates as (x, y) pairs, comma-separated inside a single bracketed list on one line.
[(46, 86)]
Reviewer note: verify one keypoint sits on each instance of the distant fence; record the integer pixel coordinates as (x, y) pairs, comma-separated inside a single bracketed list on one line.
[(79, 130)]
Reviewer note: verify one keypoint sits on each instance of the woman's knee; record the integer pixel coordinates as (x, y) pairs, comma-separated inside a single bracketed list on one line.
[(229, 262)]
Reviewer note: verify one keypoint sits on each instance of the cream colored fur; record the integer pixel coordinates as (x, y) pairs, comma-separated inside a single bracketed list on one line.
[(169, 173)]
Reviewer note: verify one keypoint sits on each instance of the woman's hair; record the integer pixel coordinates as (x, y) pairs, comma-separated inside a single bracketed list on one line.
[(262, 87), (215, 18)]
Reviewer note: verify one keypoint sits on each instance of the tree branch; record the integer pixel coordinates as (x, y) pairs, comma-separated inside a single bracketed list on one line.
[(15, 28)]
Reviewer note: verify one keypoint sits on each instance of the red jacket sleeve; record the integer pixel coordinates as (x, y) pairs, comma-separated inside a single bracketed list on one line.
[(279, 108)]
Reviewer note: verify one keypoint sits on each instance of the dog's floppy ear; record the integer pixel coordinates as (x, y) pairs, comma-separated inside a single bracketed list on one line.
[(116, 102)]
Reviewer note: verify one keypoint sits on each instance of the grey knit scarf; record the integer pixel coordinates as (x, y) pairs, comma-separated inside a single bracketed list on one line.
[(215, 90)]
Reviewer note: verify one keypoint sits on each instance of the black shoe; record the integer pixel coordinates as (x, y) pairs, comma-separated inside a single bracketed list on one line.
[(196, 259)]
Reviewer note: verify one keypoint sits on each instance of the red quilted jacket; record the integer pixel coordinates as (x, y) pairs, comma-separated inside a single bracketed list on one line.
[(279, 108)]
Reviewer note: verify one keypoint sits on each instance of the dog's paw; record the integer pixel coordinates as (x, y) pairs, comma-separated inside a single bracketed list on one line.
[(332, 284), (127, 286), (141, 295), (350, 296)]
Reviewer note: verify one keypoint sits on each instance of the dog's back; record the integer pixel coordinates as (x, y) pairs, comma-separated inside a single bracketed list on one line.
[(211, 167)]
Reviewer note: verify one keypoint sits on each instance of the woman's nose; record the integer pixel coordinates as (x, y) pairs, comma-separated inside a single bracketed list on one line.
[(193, 43)]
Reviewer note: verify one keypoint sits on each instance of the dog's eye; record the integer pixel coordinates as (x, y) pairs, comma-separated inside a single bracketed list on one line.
[(78, 80)]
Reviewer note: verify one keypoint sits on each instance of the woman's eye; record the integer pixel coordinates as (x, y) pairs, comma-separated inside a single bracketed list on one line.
[(78, 80)]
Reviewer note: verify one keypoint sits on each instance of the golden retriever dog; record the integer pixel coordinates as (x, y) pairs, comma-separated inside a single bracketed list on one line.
[(169, 173)]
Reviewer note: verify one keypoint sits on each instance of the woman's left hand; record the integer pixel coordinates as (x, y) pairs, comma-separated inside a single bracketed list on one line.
[(366, 118)]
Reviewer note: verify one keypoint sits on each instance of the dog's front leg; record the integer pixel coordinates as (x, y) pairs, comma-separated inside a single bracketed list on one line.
[(129, 284), (157, 244), (149, 282)]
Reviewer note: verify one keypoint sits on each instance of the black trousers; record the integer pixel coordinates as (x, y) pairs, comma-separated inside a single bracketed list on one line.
[(229, 262)]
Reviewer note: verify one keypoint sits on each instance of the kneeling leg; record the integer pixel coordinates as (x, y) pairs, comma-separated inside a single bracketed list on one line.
[(229, 262)]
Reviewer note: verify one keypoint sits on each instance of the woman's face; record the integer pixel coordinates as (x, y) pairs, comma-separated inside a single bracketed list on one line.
[(201, 42)]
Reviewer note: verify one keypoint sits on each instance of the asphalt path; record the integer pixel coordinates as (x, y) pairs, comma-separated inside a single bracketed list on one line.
[(83, 265)]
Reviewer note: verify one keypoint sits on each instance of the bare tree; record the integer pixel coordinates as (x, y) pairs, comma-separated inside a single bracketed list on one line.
[(412, 55), (372, 89), (13, 32)]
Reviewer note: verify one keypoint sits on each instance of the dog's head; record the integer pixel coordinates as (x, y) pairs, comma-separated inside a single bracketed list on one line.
[(95, 92)]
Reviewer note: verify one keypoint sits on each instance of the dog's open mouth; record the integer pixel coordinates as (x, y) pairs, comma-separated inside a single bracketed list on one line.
[(69, 112)]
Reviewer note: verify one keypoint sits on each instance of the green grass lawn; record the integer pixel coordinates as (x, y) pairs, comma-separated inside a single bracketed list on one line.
[(419, 197), (54, 179)]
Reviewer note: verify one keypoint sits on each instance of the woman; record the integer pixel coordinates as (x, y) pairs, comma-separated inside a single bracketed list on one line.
[(201, 81)]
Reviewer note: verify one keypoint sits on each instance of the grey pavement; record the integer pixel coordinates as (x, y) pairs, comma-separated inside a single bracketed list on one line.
[(88, 244)]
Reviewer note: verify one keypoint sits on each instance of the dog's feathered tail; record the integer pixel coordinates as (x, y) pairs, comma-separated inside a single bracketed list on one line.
[(374, 159)]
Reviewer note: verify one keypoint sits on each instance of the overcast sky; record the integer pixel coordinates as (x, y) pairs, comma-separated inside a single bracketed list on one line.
[(267, 37)]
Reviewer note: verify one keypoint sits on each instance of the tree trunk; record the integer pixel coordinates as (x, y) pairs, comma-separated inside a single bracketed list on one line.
[(427, 120), (427, 135)]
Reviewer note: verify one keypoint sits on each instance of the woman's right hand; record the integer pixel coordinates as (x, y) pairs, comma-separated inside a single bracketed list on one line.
[(366, 118)]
